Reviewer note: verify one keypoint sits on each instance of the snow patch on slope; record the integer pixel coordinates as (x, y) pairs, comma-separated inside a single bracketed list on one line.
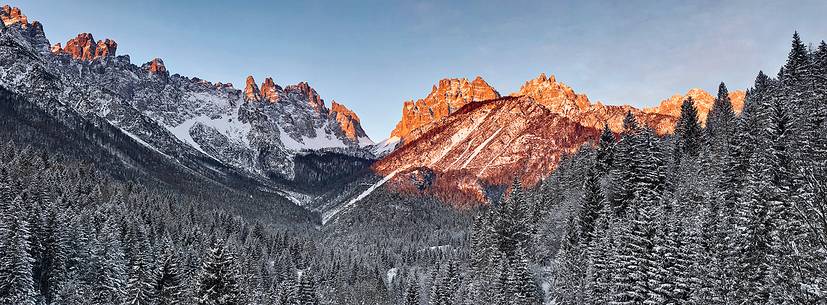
[(385, 147), (480, 147), (322, 140), (229, 126), (329, 214), (182, 132), (139, 140), (456, 138)]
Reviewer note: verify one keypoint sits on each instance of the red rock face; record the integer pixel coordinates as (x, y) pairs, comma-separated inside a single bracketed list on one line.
[(273, 93), (489, 142), (445, 98), (251, 92), (561, 99), (348, 121), (156, 66), (84, 47), (11, 15), (703, 102), (524, 135), (106, 47), (313, 98), (270, 91)]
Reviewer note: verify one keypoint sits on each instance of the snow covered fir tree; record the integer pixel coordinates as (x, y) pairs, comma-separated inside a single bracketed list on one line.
[(728, 206)]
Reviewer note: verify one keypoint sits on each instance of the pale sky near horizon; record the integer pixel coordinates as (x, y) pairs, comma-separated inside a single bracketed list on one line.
[(373, 55)]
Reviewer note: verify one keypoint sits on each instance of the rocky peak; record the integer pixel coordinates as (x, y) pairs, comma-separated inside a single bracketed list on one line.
[(251, 92), (703, 102), (486, 143), (270, 90), (309, 94), (84, 47), (106, 47), (348, 121), (11, 15), (555, 96), (156, 66), (447, 96)]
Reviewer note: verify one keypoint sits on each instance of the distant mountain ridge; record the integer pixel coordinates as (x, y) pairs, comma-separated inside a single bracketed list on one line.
[(176, 114), (464, 137), (284, 141)]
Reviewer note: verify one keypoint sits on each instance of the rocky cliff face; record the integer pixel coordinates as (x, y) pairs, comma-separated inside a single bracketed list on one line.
[(156, 66), (703, 102), (446, 97), (84, 47), (11, 15), (256, 133), (485, 143), (561, 99), (524, 135), (14, 20), (348, 121), (302, 114)]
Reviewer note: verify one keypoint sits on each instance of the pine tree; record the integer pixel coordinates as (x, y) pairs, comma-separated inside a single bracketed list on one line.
[(16, 282), (54, 270), (139, 287), (412, 293), (687, 131), (218, 284), (168, 281), (605, 150), (307, 291), (110, 274), (521, 286), (720, 120), (591, 205)]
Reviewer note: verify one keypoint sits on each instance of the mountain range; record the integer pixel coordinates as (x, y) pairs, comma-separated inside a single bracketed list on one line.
[(460, 142)]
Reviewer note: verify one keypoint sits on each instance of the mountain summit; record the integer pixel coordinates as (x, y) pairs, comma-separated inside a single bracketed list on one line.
[(260, 133), (446, 97), (466, 138)]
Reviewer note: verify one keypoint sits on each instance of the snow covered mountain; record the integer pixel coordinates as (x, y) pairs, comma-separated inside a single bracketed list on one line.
[(484, 144), (463, 137), (257, 131)]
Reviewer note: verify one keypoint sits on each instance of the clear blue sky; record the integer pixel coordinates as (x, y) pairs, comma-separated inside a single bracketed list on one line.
[(373, 55)]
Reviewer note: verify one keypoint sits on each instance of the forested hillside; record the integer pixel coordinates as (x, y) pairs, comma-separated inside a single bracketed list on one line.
[(728, 211), (734, 213)]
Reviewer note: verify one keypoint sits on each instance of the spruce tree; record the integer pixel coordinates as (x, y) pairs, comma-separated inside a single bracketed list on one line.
[(54, 269), (16, 282), (218, 284), (521, 283), (168, 281), (600, 258), (307, 291), (110, 271), (288, 291), (412, 293), (605, 150), (720, 119), (687, 131), (591, 205), (139, 288)]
